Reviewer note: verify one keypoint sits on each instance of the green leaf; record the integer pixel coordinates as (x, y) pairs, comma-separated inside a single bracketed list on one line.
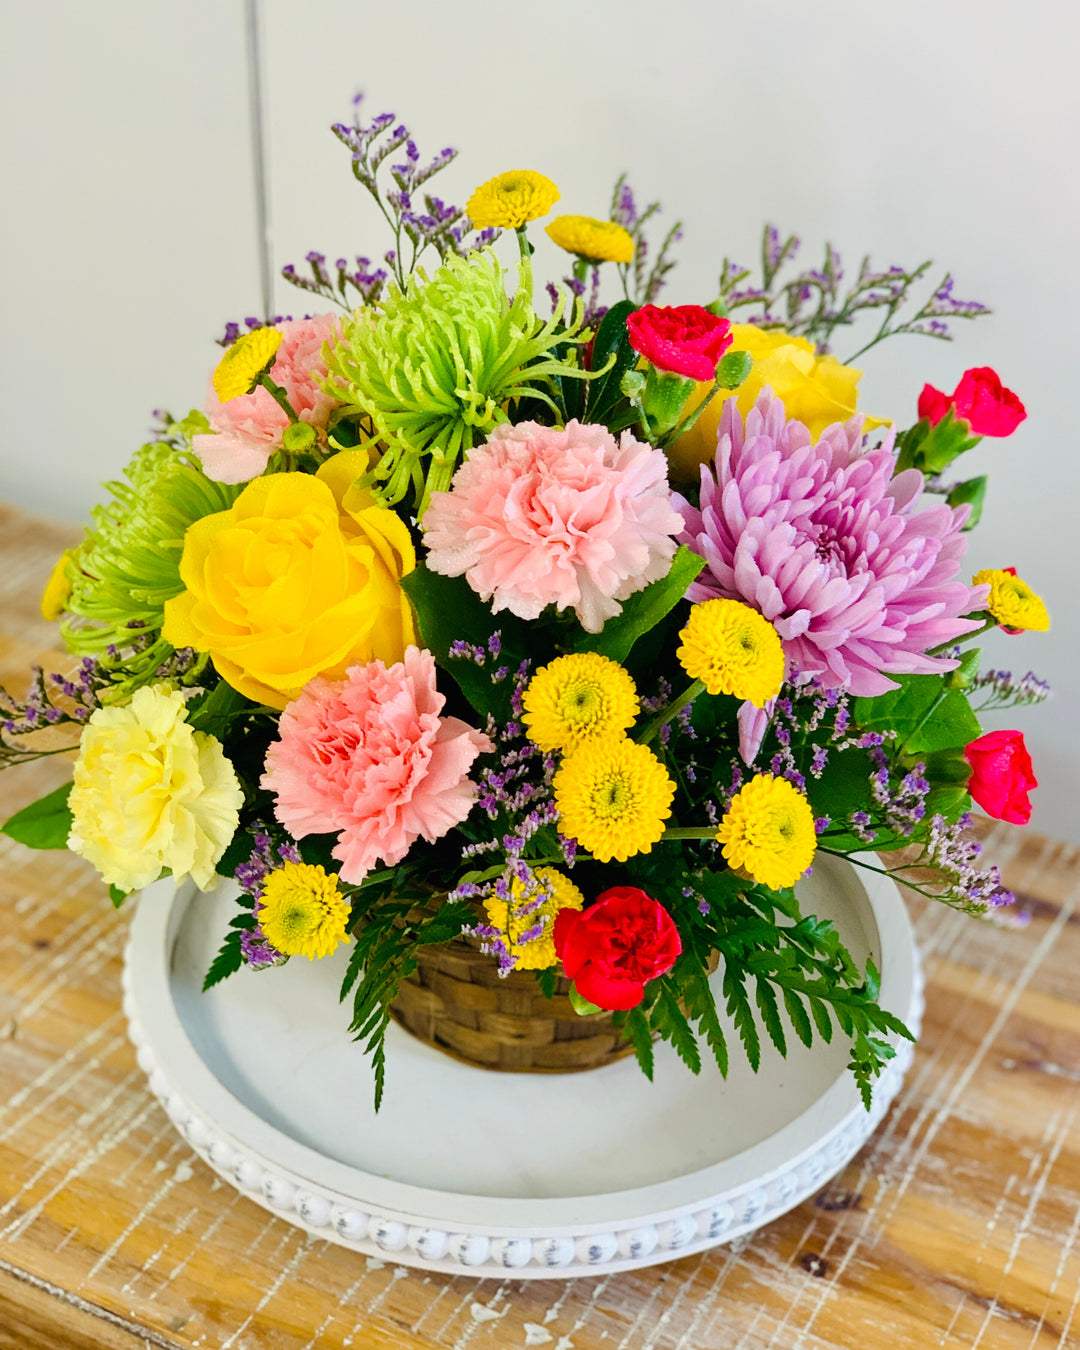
[(117, 896), (45, 823), (637, 1028), (582, 1006), (643, 610), (739, 1010), (765, 997), (216, 710), (448, 609), (971, 492), (822, 1020), (227, 962), (920, 726), (612, 340), (797, 1016)]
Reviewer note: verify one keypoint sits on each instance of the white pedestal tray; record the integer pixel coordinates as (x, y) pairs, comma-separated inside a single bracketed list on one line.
[(473, 1172)]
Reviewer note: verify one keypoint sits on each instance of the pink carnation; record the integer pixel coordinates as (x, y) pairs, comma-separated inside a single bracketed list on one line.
[(249, 429), (371, 759), (570, 518), (857, 576)]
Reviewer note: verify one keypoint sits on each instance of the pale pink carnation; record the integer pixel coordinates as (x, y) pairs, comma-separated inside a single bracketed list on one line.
[(248, 429), (371, 759), (570, 518), (857, 575)]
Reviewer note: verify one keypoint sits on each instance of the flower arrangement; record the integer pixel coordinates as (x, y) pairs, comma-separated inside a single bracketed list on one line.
[(578, 634)]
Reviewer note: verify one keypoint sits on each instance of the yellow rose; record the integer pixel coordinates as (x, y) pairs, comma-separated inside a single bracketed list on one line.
[(150, 792), (815, 390), (298, 578)]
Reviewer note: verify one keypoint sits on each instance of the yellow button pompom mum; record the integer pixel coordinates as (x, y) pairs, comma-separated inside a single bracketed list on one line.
[(1012, 601), (596, 240), (579, 697), (768, 832), (243, 363), (302, 911), (539, 952), (732, 649), (613, 796), (511, 199)]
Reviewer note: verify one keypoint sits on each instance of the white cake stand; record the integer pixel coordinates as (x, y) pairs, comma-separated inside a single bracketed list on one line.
[(470, 1171)]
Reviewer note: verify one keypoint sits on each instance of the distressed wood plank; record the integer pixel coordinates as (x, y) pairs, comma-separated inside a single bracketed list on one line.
[(957, 1226)]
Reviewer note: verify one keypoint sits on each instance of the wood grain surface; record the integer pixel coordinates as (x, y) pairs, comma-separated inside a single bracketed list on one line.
[(957, 1226)]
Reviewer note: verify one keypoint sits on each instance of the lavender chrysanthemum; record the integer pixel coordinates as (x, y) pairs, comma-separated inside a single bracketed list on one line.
[(836, 553)]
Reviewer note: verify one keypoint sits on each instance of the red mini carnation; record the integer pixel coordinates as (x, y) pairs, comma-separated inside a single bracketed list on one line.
[(684, 339), (613, 948), (980, 399), (1001, 775)]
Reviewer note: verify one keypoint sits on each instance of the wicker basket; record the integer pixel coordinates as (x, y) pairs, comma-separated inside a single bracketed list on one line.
[(457, 1002)]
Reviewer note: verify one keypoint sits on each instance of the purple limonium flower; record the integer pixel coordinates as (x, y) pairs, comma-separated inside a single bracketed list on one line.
[(858, 578)]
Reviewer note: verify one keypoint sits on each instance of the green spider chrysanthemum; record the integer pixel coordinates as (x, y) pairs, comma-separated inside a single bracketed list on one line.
[(128, 564), (436, 365)]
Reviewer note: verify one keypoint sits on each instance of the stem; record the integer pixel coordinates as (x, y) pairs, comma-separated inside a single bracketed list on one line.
[(526, 262), (649, 730), (968, 637), (279, 396), (679, 832), (690, 420), (892, 873)]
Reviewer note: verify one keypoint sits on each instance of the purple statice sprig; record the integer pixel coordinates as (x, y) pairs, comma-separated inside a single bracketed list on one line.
[(952, 854), (999, 689), (387, 163), (642, 279), (266, 857), (58, 699), (233, 329), (813, 303)]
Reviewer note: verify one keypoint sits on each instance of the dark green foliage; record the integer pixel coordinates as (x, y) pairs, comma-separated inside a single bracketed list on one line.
[(389, 924), (227, 962), (643, 610)]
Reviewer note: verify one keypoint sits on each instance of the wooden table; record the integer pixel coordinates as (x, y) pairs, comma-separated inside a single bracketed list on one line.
[(958, 1225)]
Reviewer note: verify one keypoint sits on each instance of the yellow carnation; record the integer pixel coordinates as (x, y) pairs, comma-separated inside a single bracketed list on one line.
[(597, 240), (511, 199), (578, 698), (298, 578), (57, 589), (150, 792), (1012, 601), (613, 797), (539, 952), (815, 390), (302, 911), (245, 361), (768, 832), (732, 649)]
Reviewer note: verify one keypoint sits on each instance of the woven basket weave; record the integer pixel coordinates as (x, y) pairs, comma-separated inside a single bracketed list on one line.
[(457, 1002)]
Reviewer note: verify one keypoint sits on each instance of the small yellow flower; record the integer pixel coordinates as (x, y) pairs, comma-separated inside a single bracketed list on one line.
[(732, 649), (302, 912), (244, 362), (597, 240), (1011, 601), (57, 590), (613, 797), (768, 832), (539, 952), (511, 200), (578, 698)]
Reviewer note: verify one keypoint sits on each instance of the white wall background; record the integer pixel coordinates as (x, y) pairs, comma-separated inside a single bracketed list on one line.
[(945, 129)]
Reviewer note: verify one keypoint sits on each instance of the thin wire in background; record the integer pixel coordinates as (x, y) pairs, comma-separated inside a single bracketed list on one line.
[(258, 154)]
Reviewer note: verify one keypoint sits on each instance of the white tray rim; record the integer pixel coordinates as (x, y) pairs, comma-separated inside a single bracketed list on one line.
[(537, 1237)]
